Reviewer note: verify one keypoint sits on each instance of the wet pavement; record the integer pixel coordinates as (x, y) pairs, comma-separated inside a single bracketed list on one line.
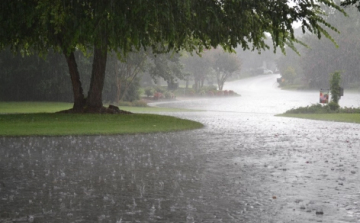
[(246, 165)]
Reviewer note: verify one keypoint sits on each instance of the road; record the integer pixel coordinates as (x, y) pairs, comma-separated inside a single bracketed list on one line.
[(245, 165)]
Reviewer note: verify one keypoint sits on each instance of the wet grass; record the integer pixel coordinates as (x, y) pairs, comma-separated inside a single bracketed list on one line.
[(336, 117), (40, 119), (47, 124), (51, 107)]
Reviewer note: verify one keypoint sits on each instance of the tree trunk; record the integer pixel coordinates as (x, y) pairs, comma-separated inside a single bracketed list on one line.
[(94, 100), (79, 99), (118, 89)]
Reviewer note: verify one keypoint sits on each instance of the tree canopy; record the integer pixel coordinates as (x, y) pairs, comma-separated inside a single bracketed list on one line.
[(123, 25), (321, 58)]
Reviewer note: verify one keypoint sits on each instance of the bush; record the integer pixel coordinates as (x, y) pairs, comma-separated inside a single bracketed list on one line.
[(335, 87), (333, 106), (315, 108), (139, 103), (131, 92), (158, 95), (210, 93), (169, 95), (149, 92)]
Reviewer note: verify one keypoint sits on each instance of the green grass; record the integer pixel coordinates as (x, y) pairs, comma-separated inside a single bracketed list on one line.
[(51, 107), (40, 119), (32, 107), (47, 124), (336, 117)]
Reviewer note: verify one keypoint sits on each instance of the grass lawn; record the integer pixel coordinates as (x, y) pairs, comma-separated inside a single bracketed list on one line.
[(38, 118), (51, 107), (336, 117)]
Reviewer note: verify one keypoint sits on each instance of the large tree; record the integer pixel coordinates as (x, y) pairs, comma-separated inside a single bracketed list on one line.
[(104, 25), (321, 58), (224, 64), (198, 67)]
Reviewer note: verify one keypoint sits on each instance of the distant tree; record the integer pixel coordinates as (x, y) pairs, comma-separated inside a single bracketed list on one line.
[(166, 66), (351, 2), (335, 79), (322, 57), (224, 64), (125, 72), (107, 25), (198, 67), (289, 74), (291, 59), (31, 78), (253, 61)]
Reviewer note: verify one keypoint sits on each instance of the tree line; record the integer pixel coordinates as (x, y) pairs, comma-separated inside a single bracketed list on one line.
[(320, 58), (121, 26), (33, 78)]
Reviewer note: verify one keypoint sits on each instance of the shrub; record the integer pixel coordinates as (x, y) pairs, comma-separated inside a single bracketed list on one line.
[(315, 108), (333, 106), (335, 87), (190, 92), (209, 88), (210, 93), (202, 92), (168, 95), (139, 103), (158, 95), (149, 92)]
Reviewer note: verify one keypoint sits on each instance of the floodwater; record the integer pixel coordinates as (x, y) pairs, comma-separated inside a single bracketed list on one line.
[(246, 165)]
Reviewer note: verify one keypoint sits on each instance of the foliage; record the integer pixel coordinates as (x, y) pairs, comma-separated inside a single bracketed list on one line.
[(166, 66), (198, 67), (289, 74), (351, 2), (335, 87), (33, 79), (290, 60), (149, 91), (314, 108), (331, 107), (224, 65), (336, 117), (131, 92), (163, 25), (158, 95), (323, 57), (123, 75)]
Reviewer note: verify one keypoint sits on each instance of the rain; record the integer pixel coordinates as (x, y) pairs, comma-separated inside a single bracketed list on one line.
[(245, 165)]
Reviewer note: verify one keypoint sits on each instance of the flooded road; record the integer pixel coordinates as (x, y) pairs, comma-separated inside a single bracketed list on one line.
[(246, 165)]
